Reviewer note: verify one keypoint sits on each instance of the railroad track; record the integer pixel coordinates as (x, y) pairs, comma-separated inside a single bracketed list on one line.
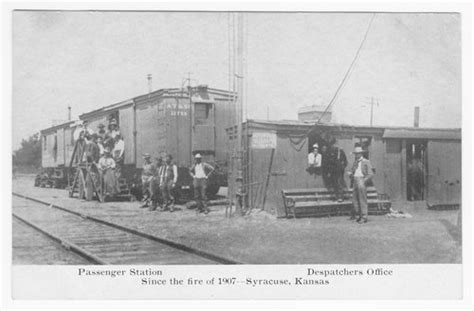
[(103, 242)]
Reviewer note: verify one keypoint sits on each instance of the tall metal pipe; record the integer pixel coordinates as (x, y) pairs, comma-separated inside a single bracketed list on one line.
[(417, 117)]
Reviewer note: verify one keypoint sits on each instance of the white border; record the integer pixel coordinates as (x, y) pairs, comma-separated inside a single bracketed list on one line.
[(406, 6)]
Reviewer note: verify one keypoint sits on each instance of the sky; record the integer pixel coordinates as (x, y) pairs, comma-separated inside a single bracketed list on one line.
[(88, 60)]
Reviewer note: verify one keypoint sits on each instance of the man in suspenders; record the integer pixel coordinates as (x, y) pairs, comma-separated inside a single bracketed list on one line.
[(168, 179)]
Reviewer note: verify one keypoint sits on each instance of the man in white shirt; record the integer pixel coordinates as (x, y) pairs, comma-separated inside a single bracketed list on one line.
[(200, 172), (314, 160), (118, 153), (361, 173)]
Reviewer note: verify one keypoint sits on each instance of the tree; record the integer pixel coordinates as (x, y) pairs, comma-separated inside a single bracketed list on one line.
[(29, 154)]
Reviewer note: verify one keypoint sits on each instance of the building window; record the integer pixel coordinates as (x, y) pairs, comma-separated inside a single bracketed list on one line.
[(363, 142), (201, 113), (45, 142)]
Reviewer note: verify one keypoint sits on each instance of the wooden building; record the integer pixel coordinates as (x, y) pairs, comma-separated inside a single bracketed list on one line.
[(395, 154)]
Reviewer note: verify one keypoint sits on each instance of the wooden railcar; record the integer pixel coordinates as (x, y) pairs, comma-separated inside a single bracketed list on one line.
[(180, 122), (57, 145)]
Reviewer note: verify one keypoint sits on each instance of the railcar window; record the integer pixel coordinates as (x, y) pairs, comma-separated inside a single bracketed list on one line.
[(201, 113)]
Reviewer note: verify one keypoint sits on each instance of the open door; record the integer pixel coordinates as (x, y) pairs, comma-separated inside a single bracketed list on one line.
[(416, 155)]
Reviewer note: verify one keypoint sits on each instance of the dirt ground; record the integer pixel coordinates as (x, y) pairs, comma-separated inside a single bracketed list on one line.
[(261, 238)]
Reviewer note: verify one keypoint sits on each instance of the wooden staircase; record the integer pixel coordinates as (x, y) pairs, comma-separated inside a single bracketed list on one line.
[(87, 182), (124, 191)]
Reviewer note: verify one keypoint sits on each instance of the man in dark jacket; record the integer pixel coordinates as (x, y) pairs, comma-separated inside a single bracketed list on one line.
[(337, 162), (92, 149)]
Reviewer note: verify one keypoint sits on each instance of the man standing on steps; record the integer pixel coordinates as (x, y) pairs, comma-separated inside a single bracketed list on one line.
[(200, 172), (361, 173)]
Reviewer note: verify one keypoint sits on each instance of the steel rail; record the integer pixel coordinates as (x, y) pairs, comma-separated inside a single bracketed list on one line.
[(63, 242), (182, 247)]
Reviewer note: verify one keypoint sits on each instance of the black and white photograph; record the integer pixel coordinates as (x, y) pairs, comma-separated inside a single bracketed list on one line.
[(245, 138)]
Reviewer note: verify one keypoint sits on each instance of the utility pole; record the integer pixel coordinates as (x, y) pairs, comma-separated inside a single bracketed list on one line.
[(150, 87), (239, 104), (371, 112), (372, 104), (69, 113)]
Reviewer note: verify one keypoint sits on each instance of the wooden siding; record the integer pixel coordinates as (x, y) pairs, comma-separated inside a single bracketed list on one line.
[(444, 171), (47, 152), (224, 118), (126, 130), (178, 129), (147, 132), (69, 148), (392, 172), (60, 159)]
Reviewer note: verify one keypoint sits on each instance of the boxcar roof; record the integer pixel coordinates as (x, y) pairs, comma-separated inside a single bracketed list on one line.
[(56, 127), (158, 93)]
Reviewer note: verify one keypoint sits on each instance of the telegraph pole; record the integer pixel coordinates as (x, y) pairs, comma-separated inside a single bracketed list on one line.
[(239, 105), (371, 112), (150, 86), (372, 104)]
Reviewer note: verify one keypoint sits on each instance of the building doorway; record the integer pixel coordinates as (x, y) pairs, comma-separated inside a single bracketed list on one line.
[(416, 169)]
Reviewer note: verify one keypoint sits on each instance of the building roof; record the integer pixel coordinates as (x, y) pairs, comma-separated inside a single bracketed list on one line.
[(388, 132), (421, 133)]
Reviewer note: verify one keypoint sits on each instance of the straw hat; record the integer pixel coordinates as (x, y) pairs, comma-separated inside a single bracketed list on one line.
[(358, 150)]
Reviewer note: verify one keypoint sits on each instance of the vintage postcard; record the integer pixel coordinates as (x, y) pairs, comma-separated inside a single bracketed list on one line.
[(237, 154)]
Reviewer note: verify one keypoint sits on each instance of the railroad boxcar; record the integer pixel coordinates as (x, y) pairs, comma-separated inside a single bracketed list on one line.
[(180, 122), (57, 145)]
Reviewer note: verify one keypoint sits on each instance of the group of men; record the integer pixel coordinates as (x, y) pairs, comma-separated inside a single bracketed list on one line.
[(159, 181), (331, 163), (104, 148)]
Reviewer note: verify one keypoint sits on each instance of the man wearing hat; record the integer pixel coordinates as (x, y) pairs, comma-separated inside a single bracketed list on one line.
[(107, 168), (156, 197), (168, 179), (314, 160), (92, 150), (148, 172), (111, 135), (200, 172), (361, 173), (101, 131)]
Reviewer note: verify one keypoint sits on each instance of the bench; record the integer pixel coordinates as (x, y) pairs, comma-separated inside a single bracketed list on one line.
[(319, 202)]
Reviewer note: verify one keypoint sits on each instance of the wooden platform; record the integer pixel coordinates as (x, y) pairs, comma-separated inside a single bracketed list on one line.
[(319, 202)]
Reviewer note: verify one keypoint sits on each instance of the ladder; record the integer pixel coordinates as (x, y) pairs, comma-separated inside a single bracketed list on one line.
[(87, 180)]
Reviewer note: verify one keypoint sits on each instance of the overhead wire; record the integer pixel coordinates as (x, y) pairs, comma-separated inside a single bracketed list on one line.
[(297, 141)]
